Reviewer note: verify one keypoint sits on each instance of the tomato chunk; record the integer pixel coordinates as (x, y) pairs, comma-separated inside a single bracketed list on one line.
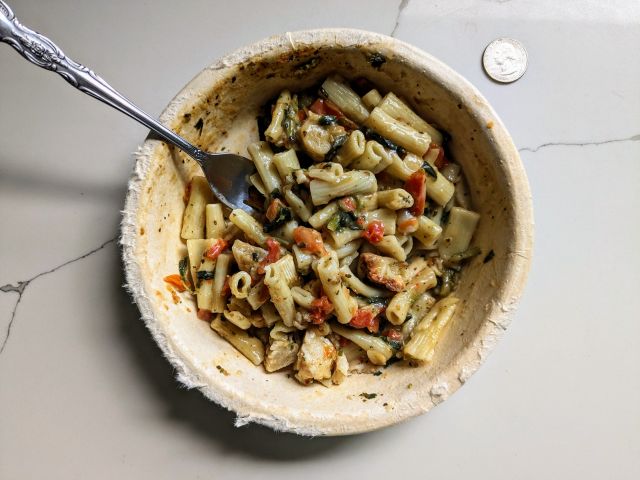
[(273, 254), (204, 314), (175, 281), (309, 240), (347, 204), (325, 107), (321, 309), (365, 319), (441, 160), (374, 232), (416, 185), (214, 251)]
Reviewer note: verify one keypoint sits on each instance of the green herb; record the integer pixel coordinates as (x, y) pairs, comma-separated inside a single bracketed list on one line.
[(446, 283), (376, 60), (467, 254), (368, 396), (198, 126), (305, 99), (395, 344), (335, 146), (379, 301), (377, 373), (489, 256), (291, 123), (385, 142), (222, 370), (283, 216), (183, 268), (205, 275), (325, 120), (255, 257), (342, 220), (430, 170)]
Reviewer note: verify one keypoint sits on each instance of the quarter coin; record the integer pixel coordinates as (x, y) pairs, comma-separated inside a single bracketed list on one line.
[(505, 60)]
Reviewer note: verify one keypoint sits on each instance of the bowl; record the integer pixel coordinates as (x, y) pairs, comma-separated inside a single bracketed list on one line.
[(217, 110)]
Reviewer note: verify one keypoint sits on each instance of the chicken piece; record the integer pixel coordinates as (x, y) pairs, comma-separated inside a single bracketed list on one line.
[(248, 256), (316, 358), (384, 271), (341, 370), (283, 349), (317, 139)]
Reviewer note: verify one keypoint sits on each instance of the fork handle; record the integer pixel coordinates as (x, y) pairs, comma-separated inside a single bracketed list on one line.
[(42, 52)]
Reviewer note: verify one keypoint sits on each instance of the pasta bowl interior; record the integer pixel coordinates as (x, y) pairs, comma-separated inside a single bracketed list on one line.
[(217, 111)]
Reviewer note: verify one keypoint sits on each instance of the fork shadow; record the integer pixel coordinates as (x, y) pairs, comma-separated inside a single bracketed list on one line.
[(189, 407)]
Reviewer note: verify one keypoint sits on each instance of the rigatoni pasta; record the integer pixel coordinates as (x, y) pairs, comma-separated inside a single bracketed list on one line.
[(356, 246)]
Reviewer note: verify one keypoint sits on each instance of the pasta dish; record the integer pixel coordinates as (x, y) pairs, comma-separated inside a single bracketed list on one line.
[(363, 225)]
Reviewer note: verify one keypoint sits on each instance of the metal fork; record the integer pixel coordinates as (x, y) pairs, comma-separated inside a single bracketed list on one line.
[(227, 173)]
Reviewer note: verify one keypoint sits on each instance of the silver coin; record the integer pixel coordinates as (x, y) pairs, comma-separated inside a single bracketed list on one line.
[(505, 60)]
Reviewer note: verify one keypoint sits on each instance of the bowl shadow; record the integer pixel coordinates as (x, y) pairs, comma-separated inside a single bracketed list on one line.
[(189, 407)]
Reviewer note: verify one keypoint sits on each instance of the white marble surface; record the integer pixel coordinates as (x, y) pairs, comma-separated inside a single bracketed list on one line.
[(84, 391)]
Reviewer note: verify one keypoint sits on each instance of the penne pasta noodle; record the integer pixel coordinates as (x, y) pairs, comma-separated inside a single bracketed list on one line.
[(458, 232), (398, 132), (286, 163), (352, 149), (430, 329), (345, 98), (329, 274), (351, 183), (249, 226), (240, 284), (399, 110), (193, 220), (214, 221), (395, 199), (250, 347), (371, 99), (262, 157)]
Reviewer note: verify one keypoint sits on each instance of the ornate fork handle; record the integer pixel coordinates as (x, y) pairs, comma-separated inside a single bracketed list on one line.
[(42, 52)]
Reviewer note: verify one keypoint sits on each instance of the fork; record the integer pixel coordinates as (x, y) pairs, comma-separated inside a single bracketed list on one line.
[(226, 173)]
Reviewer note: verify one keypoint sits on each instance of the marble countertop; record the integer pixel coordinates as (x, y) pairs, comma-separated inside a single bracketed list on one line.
[(85, 392)]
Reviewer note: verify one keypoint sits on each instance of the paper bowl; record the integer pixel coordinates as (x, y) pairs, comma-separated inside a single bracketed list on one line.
[(217, 110)]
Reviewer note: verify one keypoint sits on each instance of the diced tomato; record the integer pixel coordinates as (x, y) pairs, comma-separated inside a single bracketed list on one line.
[(216, 249), (274, 209), (360, 221), (344, 341), (440, 160), (393, 334), (374, 232), (204, 314), (325, 107), (347, 204), (226, 288), (301, 115), (321, 308), (309, 240), (365, 319), (416, 185), (273, 254), (175, 281), (409, 225)]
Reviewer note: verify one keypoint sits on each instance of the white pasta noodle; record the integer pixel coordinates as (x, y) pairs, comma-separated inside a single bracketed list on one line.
[(303, 297), (352, 149), (390, 246), (214, 221), (275, 131), (280, 294), (398, 132), (351, 183), (378, 351), (193, 220), (427, 232), (256, 181), (262, 157), (322, 216), (395, 199), (222, 268), (371, 99), (329, 274), (286, 162), (400, 304), (399, 110), (345, 98), (326, 171), (250, 347), (249, 226), (458, 232), (240, 284), (384, 215), (430, 329), (297, 204)]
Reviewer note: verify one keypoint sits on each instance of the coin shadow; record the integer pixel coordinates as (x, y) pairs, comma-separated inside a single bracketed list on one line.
[(189, 407)]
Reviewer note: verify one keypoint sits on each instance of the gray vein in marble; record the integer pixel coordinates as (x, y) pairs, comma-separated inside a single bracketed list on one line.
[(633, 138), (403, 4), (20, 287)]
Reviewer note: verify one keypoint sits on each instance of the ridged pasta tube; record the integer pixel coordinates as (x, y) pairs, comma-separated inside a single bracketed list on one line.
[(351, 183), (329, 274), (378, 351), (345, 98), (399, 110), (250, 347), (401, 303), (429, 330), (398, 132), (352, 149)]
